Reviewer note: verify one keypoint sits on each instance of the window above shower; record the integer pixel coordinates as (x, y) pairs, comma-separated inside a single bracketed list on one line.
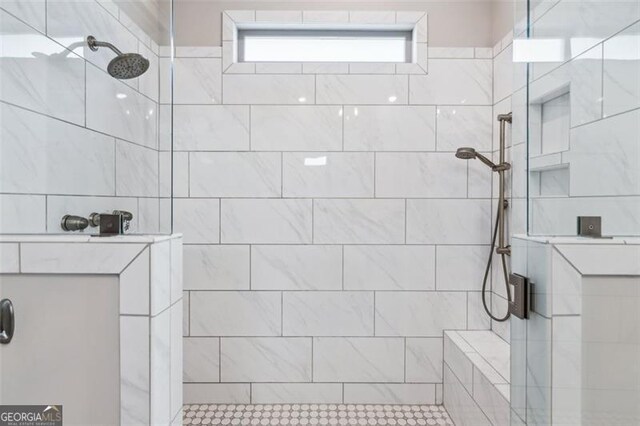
[(307, 45), (256, 41)]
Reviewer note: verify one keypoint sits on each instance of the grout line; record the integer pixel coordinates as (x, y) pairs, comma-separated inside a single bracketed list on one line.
[(405, 360), (312, 360), (406, 205), (342, 246), (374, 314)]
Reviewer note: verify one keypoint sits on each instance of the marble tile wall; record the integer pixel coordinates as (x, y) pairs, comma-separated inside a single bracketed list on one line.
[(73, 139), (595, 172), (330, 233)]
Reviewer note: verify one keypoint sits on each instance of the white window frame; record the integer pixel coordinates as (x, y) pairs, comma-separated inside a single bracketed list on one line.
[(235, 20)]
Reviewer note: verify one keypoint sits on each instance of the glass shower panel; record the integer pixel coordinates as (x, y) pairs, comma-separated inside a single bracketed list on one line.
[(73, 138), (583, 118)]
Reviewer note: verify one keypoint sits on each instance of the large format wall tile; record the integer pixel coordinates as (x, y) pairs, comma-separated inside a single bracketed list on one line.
[(148, 83), (44, 155), (296, 393), (216, 267), (197, 81), (503, 73), (266, 359), (420, 313), (621, 85), (424, 360), (235, 174), (134, 369), (389, 128), (460, 405), (358, 221), (358, 359), (266, 221), (116, 109), (296, 128), (379, 267), (336, 313), (174, 174), (228, 393), (43, 82), (198, 219), (296, 267), (592, 23), (210, 127), (201, 362), (136, 170), (362, 89), (341, 272), (33, 12), (268, 89), (9, 258), (605, 157), (328, 174), (160, 371), (464, 126), (23, 214), (160, 277), (461, 267), (426, 175), (387, 393), (454, 82), (235, 313), (448, 221)]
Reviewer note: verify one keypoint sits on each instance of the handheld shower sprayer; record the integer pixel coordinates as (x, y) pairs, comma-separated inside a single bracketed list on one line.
[(503, 250), (467, 153)]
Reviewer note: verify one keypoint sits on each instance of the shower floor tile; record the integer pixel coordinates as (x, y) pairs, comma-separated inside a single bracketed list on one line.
[(315, 414)]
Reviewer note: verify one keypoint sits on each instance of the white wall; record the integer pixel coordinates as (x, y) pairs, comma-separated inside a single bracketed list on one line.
[(452, 23), (73, 139), (329, 283)]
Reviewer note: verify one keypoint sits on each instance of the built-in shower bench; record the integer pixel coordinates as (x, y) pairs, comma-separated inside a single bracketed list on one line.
[(476, 378)]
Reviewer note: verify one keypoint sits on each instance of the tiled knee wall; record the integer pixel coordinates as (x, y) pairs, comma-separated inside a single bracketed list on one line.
[(331, 235)]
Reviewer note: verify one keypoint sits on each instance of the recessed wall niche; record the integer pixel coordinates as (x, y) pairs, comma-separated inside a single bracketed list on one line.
[(550, 120)]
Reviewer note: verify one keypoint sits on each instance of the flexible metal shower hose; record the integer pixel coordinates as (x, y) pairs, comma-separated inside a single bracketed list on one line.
[(488, 269)]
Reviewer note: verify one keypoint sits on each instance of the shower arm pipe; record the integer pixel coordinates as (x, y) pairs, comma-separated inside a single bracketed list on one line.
[(95, 44), (502, 249), (486, 161)]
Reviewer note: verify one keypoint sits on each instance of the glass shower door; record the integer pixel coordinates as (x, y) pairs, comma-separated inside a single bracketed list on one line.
[(77, 137)]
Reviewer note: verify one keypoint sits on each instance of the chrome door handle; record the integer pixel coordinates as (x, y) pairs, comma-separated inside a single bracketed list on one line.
[(7, 321)]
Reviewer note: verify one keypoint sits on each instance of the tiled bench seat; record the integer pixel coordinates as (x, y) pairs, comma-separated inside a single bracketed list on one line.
[(476, 378)]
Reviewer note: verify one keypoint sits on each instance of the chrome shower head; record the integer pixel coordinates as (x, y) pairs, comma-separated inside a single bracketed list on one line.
[(467, 153), (125, 65)]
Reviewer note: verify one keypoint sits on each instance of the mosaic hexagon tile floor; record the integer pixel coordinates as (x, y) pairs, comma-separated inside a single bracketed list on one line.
[(315, 414)]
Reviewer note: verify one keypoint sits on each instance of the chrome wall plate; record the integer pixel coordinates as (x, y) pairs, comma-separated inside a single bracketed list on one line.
[(590, 226)]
